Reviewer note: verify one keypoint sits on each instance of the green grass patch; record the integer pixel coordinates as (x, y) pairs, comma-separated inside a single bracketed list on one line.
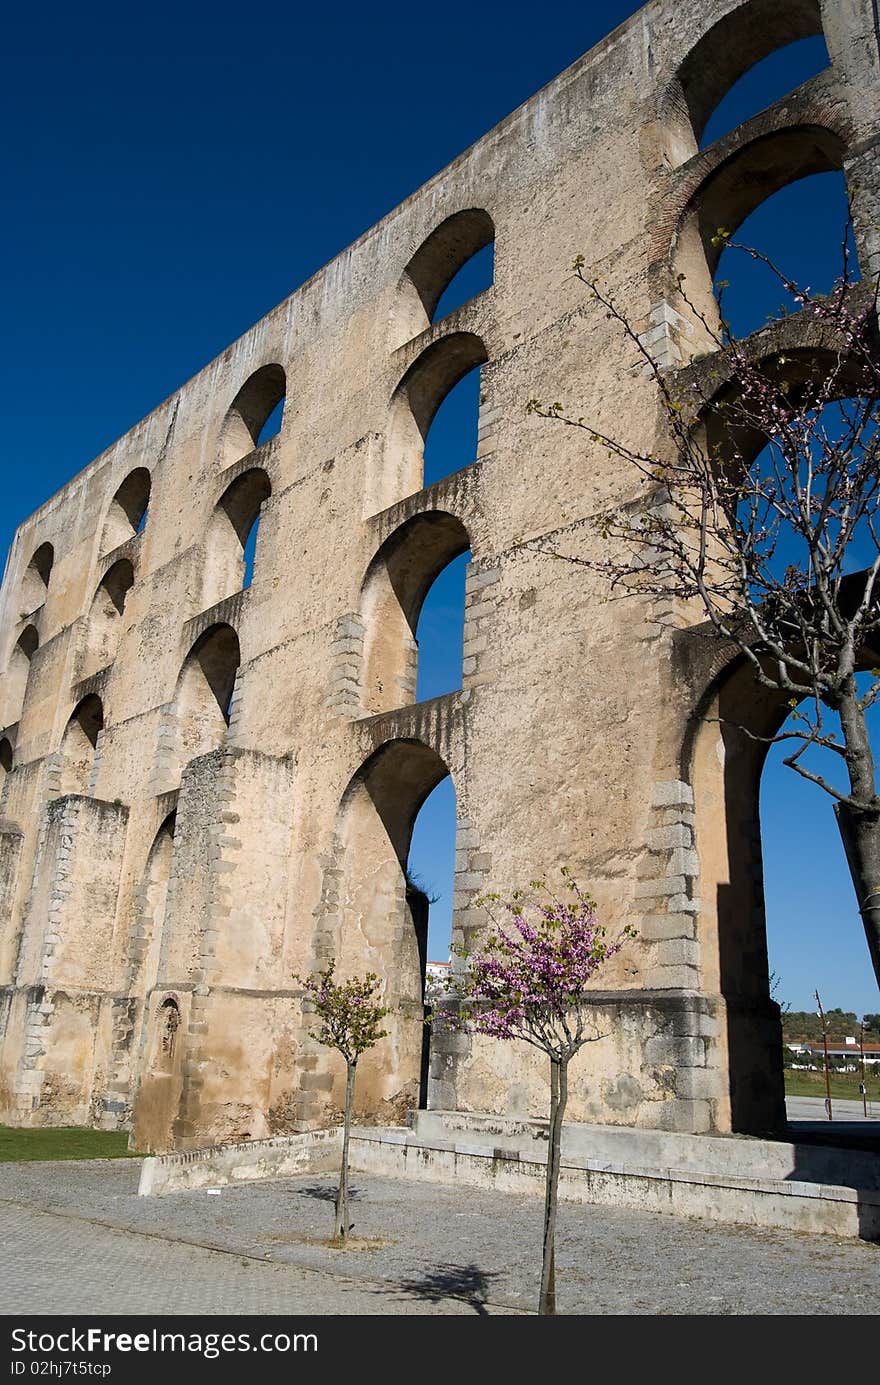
[(844, 1085), (66, 1142)]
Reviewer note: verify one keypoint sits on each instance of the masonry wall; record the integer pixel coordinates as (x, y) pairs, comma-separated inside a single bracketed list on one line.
[(270, 732)]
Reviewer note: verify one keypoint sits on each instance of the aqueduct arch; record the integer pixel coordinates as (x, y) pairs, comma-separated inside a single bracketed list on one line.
[(433, 267), (249, 411), (277, 721), (396, 584), (233, 519), (375, 918), (726, 50)]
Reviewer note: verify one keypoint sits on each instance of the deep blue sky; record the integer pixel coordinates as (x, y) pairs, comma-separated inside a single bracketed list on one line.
[(171, 173)]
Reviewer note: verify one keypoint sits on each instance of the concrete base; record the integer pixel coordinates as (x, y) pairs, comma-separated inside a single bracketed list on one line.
[(721, 1178)]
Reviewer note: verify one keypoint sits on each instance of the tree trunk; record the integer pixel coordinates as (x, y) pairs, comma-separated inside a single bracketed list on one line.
[(558, 1099), (861, 841), (860, 827), (342, 1223)]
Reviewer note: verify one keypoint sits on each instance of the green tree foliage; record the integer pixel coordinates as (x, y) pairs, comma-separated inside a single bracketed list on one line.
[(805, 1024), (350, 1021)]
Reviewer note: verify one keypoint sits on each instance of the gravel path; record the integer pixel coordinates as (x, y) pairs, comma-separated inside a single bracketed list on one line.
[(79, 1240)]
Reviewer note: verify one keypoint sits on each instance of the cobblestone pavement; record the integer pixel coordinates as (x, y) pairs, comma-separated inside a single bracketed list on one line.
[(79, 1240)]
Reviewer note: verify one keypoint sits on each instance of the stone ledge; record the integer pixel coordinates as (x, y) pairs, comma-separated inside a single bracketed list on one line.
[(464, 1148)]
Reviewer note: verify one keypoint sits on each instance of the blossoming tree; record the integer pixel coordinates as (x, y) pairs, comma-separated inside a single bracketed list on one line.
[(349, 1021), (527, 983)]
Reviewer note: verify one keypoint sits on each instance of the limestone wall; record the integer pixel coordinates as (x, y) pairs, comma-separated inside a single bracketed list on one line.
[(239, 782)]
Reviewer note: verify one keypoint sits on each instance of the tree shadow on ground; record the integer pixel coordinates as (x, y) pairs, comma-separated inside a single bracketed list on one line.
[(326, 1192), (466, 1283)]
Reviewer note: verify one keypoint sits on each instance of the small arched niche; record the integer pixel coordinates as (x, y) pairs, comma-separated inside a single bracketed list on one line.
[(255, 410), (35, 583), (166, 1036), (426, 290), (79, 743), (204, 692), (414, 407), (740, 40), (392, 597), (230, 546), (127, 514), (6, 757), (105, 617)]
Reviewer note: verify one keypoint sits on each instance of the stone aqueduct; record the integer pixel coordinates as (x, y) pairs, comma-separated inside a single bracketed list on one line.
[(207, 789)]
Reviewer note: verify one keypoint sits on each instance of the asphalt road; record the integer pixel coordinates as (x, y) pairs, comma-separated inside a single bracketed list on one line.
[(812, 1108)]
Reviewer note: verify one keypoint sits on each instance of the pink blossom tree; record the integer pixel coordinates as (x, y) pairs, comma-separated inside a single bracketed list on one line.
[(528, 982), (349, 1021)]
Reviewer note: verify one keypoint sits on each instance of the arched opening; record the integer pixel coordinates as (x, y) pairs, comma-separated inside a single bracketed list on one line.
[(377, 918), (5, 757), (453, 265), (440, 632), (148, 935), (775, 891), (722, 56), (19, 669), (408, 462), (127, 514), (754, 295), (774, 77), (36, 578), (730, 195), (815, 936), (105, 617), (726, 769), (78, 745), (393, 599), (254, 415), (431, 870), (204, 692), (230, 546), (475, 276), (727, 753)]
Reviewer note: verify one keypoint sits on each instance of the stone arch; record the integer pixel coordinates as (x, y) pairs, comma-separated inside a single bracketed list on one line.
[(433, 267), (104, 627), (147, 935), (807, 366), (246, 416), (722, 758), (724, 765), (750, 32), (6, 757), (235, 515), (730, 192), (414, 404), (373, 919), (393, 591), (204, 692), (35, 583), (127, 513), (79, 744), (19, 668)]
